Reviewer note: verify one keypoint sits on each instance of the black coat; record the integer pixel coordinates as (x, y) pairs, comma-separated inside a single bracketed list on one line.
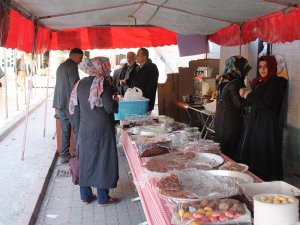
[(261, 144), (228, 118), (146, 79), (66, 77), (97, 143)]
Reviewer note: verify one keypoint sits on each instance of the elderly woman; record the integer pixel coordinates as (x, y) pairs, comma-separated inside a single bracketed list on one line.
[(261, 145), (229, 111), (92, 101)]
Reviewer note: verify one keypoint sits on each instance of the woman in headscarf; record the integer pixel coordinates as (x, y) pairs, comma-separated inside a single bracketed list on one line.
[(261, 144), (94, 108), (229, 110)]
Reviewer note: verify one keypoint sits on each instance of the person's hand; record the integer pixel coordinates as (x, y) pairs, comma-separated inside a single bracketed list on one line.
[(116, 96), (122, 82), (244, 92)]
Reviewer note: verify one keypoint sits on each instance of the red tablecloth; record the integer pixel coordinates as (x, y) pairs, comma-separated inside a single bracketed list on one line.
[(156, 210)]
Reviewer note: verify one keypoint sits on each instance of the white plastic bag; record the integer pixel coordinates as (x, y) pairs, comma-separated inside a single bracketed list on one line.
[(133, 94), (211, 107)]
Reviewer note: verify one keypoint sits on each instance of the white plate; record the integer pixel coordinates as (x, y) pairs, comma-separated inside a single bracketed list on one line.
[(243, 165), (210, 159)]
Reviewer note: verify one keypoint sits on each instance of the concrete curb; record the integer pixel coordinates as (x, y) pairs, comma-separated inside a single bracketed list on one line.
[(18, 118), (35, 199)]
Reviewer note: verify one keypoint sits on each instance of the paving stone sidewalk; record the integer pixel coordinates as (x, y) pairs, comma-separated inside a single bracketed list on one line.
[(62, 204)]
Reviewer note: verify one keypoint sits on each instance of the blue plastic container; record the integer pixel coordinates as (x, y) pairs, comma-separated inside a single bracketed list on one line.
[(131, 107)]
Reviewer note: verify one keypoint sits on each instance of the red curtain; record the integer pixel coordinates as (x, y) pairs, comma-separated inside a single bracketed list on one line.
[(20, 33), (42, 42), (278, 27), (111, 37)]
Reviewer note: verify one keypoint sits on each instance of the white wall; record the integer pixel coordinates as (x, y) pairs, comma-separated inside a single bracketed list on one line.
[(291, 53)]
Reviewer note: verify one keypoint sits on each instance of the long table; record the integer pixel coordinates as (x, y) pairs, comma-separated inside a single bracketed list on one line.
[(156, 209)]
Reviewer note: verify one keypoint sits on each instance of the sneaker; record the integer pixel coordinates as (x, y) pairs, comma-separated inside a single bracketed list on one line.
[(64, 159), (110, 201)]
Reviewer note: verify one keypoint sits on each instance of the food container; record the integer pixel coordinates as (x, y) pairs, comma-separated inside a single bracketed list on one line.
[(149, 146), (149, 130), (275, 209), (131, 107), (216, 211), (274, 187)]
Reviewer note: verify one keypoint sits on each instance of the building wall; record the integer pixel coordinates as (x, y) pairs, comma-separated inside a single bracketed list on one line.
[(291, 140)]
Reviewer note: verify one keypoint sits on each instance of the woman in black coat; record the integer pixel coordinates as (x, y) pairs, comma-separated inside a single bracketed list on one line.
[(98, 156), (261, 144), (229, 110)]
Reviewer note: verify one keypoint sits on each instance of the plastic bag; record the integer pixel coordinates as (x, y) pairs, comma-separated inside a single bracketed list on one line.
[(133, 94), (193, 184), (211, 107)]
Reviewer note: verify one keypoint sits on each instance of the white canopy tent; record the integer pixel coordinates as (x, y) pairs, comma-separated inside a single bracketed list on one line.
[(181, 16)]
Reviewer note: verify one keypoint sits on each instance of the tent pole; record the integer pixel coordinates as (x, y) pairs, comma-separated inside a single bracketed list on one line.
[(16, 78), (29, 91), (241, 39), (5, 79), (47, 92)]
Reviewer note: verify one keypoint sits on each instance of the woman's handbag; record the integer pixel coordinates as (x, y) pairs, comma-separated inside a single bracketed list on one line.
[(74, 167)]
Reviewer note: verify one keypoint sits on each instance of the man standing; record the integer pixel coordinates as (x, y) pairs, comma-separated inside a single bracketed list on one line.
[(66, 77), (128, 70), (21, 72), (116, 76), (146, 77)]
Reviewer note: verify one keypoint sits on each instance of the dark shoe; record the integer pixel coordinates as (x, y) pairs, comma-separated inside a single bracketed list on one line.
[(86, 202), (64, 159), (110, 201)]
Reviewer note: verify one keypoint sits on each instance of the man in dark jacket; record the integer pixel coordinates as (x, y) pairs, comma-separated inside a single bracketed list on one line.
[(146, 77), (127, 71), (66, 77)]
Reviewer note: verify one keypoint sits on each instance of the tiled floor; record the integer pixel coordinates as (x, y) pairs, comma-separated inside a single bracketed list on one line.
[(62, 204)]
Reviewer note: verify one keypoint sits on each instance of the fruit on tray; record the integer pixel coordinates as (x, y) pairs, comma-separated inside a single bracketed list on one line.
[(217, 210)]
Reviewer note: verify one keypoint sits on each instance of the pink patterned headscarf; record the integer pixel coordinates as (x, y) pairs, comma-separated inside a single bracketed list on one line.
[(98, 67)]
